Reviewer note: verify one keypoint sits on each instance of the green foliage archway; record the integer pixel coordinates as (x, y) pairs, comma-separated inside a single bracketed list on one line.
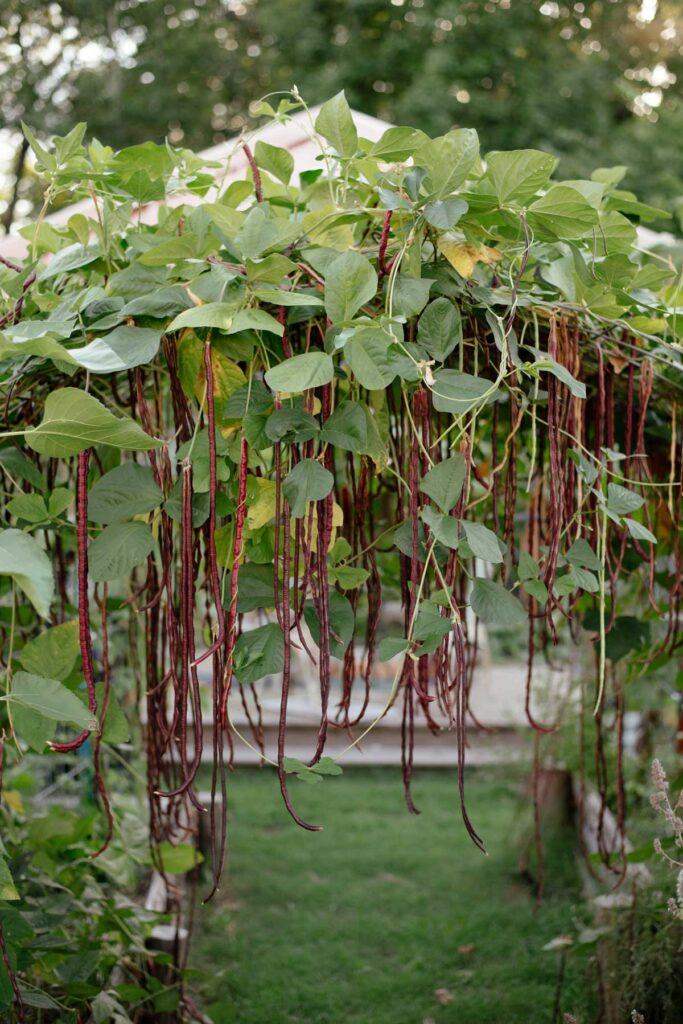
[(231, 430)]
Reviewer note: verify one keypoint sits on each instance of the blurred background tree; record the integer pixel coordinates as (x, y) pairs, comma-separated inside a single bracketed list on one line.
[(595, 82)]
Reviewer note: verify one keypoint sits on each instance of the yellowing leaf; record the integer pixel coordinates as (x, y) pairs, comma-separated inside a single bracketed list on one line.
[(464, 257), (13, 799), (260, 502)]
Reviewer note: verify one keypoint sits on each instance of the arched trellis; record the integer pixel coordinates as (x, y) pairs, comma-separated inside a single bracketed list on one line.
[(412, 374)]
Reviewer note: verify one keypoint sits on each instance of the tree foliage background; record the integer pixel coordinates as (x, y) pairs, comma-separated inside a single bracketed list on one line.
[(595, 82)]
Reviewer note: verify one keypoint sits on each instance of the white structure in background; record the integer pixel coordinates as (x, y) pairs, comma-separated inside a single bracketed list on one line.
[(295, 136), (498, 689)]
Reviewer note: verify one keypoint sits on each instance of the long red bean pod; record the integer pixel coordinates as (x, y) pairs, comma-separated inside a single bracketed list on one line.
[(240, 513)]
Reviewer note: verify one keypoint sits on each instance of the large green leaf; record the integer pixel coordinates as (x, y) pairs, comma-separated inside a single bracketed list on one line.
[(519, 173), (410, 295), (123, 492), (118, 549), (310, 370), (307, 481), (350, 282), (367, 353), (50, 699), (335, 123), (444, 482), (341, 621), (211, 314), (352, 427), (621, 501), (495, 605), (259, 652), (483, 542), (277, 161), (74, 420), (457, 393), (563, 212), (439, 329), (122, 349), (22, 558), (449, 159), (52, 653), (256, 588)]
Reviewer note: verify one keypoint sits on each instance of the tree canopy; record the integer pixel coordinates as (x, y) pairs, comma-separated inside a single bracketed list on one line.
[(595, 82)]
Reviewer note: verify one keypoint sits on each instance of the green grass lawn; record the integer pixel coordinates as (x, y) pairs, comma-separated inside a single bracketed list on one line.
[(366, 921)]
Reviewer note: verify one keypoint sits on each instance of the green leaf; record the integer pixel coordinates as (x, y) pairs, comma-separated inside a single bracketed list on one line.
[(279, 297), (410, 295), (22, 558), (350, 282), (527, 567), (277, 161), (74, 420), (118, 549), (30, 507), (73, 257), (582, 554), (122, 349), (60, 500), (564, 585), (255, 320), (391, 646), (537, 589), (397, 143), (8, 890), (51, 699), (430, 627), (211, 314), (178, 860), (256, 588), (457, 393), (115, 729), (367, 353), (52, 653), (271, 269), (33, 728), (563, 212), (444, 527), (639, 531), (621, 501), (352, 427), (348, 576), (259, 652), (495, 605), (335, 123), (627, 634), (576, 387), (449, 159), (310, 370), (444, 482), (291, 425), (584, 580), (483, 542), (439, 328), (341, 622), (307, 481), (445, 214), (327, 766), (519, 173), (126, 491)]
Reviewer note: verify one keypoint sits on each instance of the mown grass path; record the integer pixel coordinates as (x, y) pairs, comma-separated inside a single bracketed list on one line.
[(384, 918)]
